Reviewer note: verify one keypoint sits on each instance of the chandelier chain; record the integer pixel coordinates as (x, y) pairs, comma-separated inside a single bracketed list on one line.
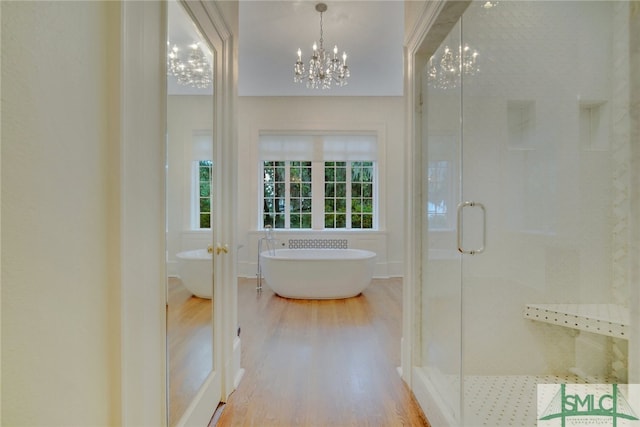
[(321, 35)]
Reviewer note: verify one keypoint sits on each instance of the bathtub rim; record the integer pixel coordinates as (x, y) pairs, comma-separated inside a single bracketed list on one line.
[(194, 255)]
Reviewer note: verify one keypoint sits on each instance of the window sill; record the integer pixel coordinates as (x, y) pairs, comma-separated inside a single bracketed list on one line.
[(311, 231)]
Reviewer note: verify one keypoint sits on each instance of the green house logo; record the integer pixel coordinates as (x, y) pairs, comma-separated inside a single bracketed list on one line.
[(586, 404)]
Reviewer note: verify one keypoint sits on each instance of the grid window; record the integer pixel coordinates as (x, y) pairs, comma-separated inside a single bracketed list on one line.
[(318, 182), (349, 195), (362, 195), (335, 195), (274, 194), (205, 170)]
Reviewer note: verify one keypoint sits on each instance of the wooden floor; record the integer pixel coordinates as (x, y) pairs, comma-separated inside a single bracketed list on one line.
[(321, 363), (189, 343)]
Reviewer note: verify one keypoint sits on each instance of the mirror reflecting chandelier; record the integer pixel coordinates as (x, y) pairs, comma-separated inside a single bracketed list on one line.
[(190, 68), (445, 67), (324, 69)]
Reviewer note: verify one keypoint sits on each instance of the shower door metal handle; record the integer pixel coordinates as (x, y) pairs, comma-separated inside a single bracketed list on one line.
[(461, 207)]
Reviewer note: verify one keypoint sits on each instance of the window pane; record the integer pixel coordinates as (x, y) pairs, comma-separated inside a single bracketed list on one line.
[(341, 174), (205, 221), (295, 190), (205, 173), (367, 190), (329, 190), (341, 221), (205, 205), (341, 205), (306, 221), (329, 221), (306, 205), (268, 190), (268, 206), (356, 190), (329, 174), (306, 174), (355, 221), (279, 221), (341, 190), (329, 205)]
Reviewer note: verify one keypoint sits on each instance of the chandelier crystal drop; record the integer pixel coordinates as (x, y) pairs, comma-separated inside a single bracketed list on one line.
[(190, 66), (445, 69), (324, 69)]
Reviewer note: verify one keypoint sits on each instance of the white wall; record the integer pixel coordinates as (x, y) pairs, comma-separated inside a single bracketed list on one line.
[(323, 113), (60, 210)]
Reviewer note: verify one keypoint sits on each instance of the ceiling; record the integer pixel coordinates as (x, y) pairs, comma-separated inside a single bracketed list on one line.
[(270, 33)]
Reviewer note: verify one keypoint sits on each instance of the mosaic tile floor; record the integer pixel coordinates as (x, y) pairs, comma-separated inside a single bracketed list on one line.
[(507, 401)]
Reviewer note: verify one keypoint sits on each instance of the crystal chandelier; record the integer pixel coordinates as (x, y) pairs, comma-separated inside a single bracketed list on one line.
[(190, 68), (324, 69), (444, 69)]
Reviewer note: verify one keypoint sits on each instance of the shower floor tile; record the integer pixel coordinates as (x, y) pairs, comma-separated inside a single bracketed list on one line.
[(507, 401)]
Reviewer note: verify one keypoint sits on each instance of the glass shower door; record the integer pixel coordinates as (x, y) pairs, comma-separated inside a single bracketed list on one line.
[(544, 214), (529, 270), (440, 325)]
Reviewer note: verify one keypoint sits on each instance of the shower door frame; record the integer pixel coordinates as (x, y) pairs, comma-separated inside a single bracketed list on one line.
[(433, 24)]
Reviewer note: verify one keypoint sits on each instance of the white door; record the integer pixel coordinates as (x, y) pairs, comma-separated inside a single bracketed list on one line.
[(199, 215)]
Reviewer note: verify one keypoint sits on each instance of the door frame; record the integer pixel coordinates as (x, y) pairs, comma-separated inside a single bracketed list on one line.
[(431, 27), (142, 380)]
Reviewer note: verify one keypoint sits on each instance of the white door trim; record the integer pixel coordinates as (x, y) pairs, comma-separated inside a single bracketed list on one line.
[(142, 258)]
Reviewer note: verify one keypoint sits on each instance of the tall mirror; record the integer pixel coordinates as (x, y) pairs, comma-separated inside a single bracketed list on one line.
[(189, 181)]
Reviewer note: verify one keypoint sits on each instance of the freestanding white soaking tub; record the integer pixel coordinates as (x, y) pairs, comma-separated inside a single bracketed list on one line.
[(317, 273), (195, 269)]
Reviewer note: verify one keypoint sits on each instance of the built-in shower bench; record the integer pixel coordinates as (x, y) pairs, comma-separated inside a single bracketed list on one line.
[(605, 319)]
